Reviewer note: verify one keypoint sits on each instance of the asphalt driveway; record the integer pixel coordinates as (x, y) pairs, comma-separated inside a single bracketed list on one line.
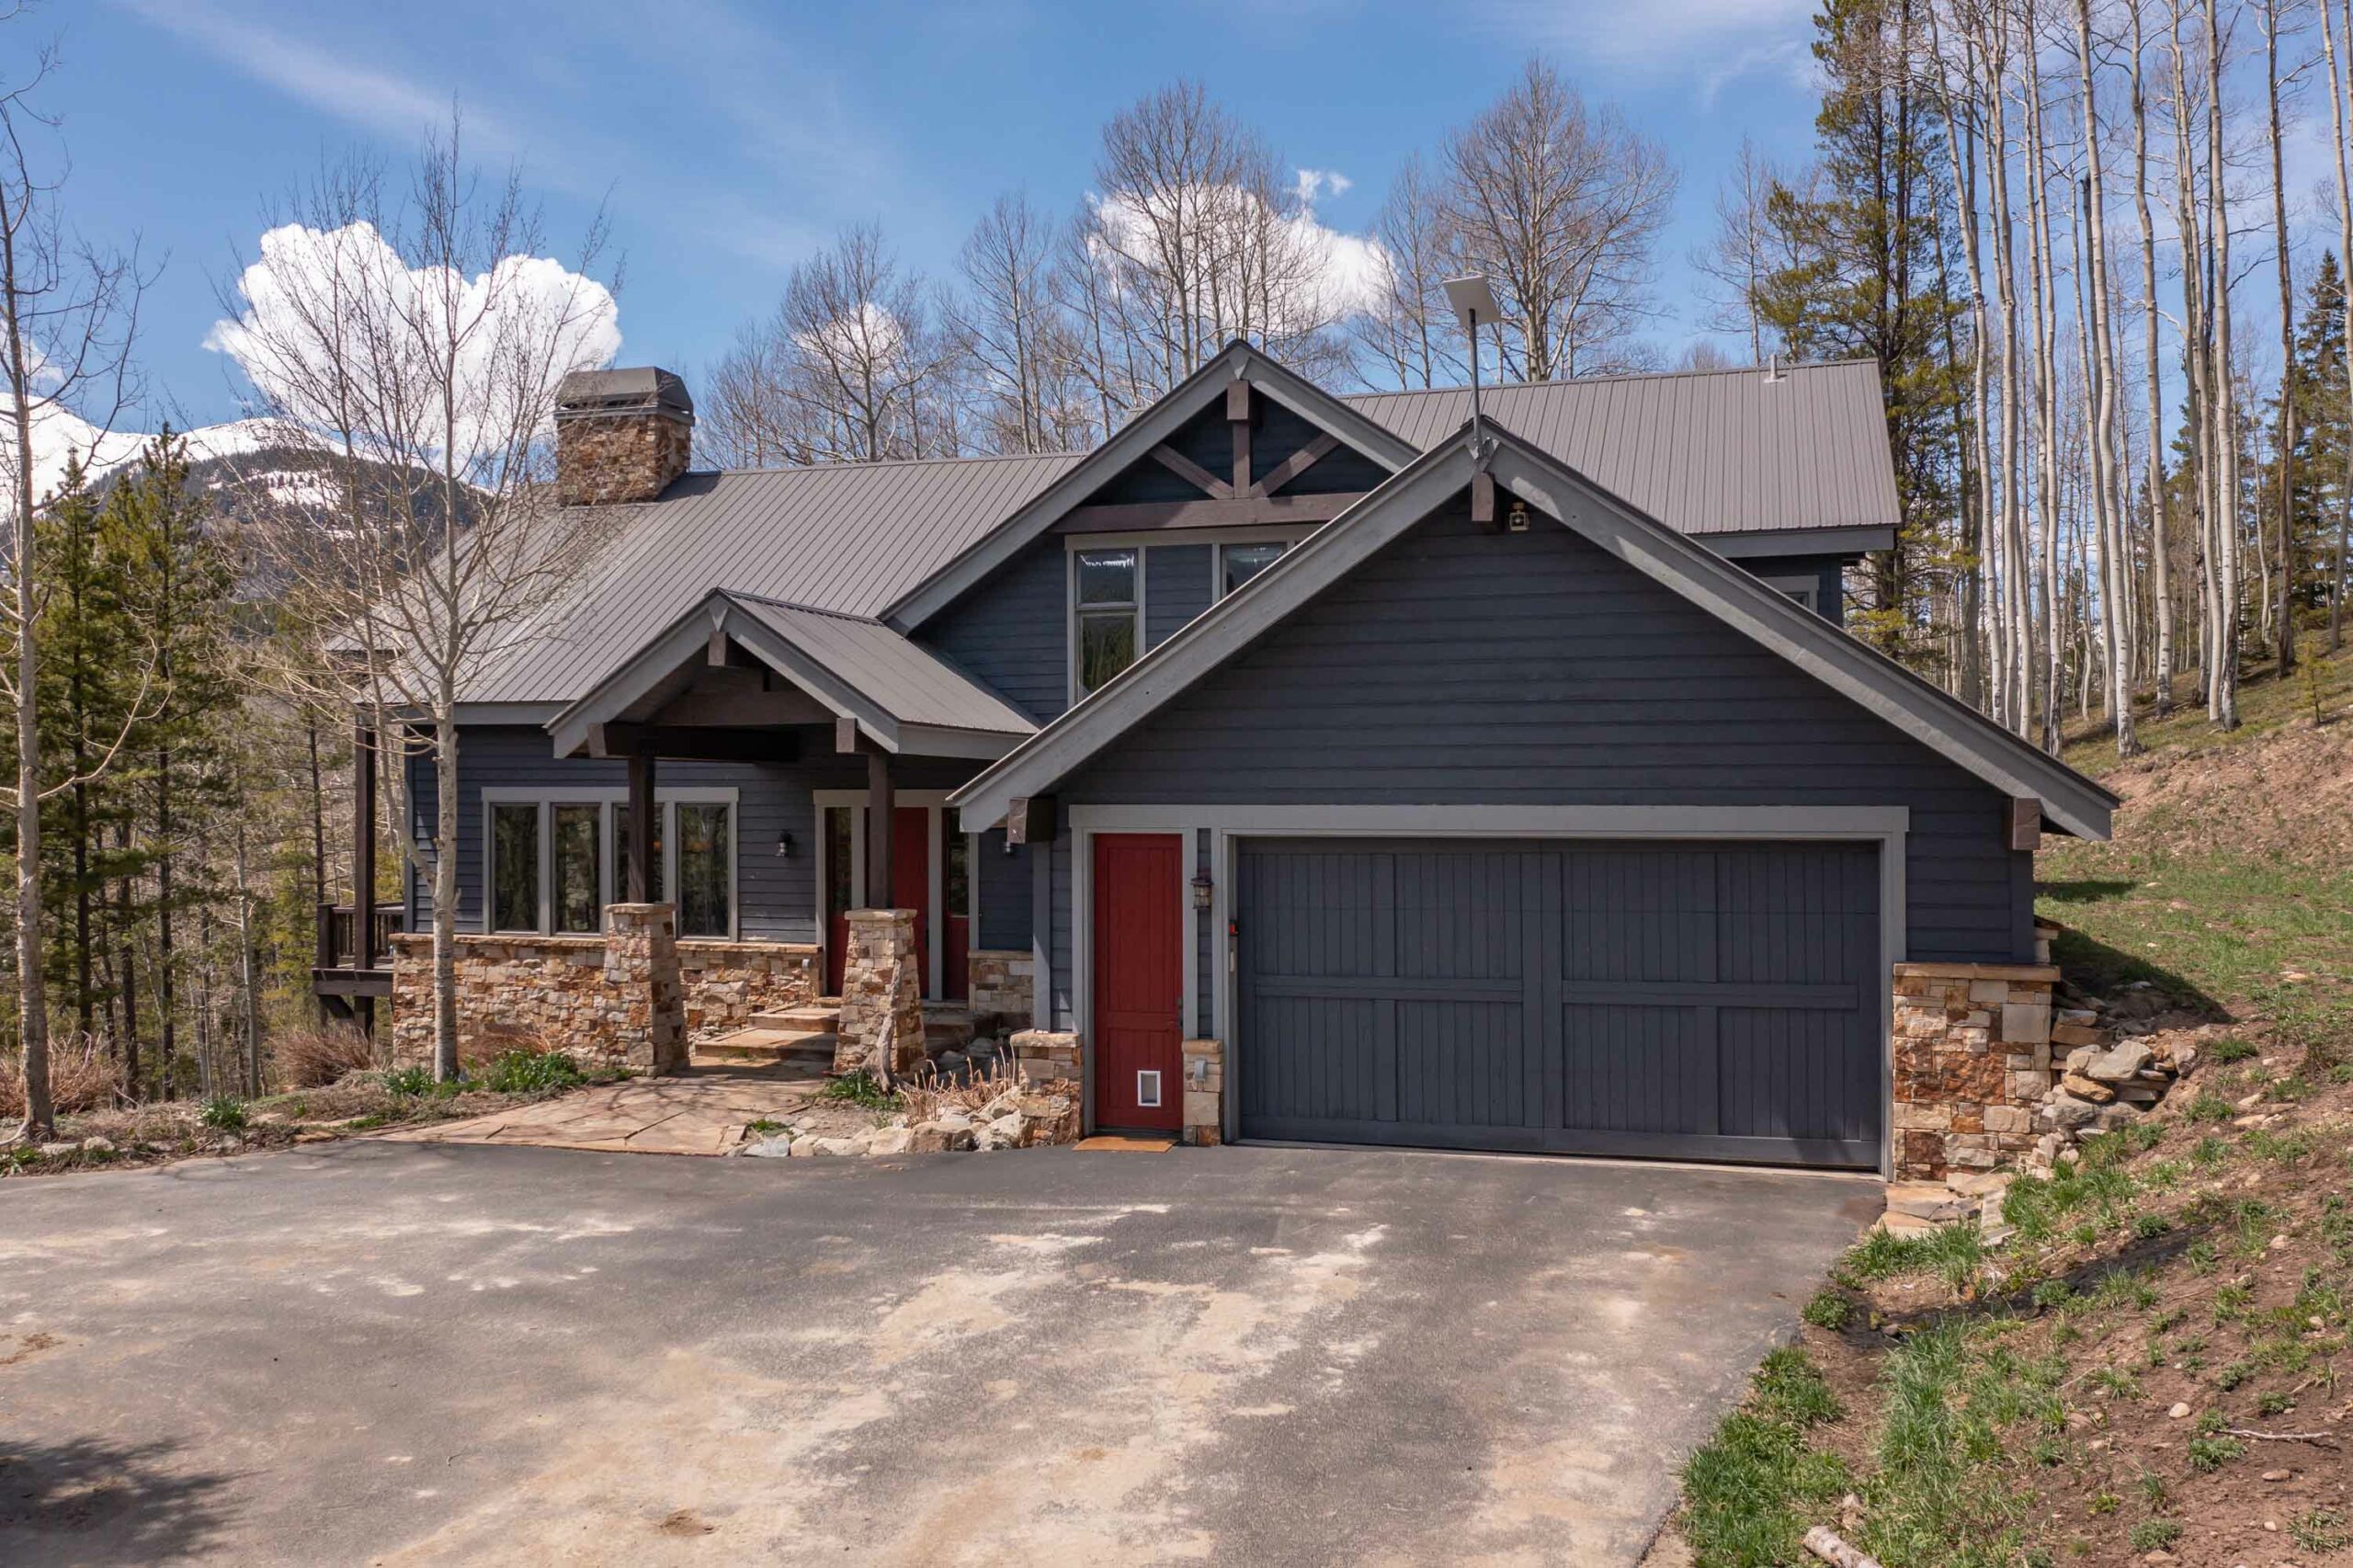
[(376, 1352)]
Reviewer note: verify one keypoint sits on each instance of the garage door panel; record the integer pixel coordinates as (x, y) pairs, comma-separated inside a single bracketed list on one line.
[(1468, 1065), (1687, 1000), (1792, 1072), (1633, 1069)]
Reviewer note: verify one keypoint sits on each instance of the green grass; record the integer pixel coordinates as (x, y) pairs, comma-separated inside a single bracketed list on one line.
[(860, 1089), (1955, 1253), (1938, 1495), (1749, 1492), (531, 1072), (2155, 1535), (224, 1113)]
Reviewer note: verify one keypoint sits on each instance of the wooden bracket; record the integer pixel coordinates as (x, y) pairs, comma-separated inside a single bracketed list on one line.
[(2025, 822), (1237, 413), (1192, 474), (1292, 467), (845, 733), (1030, 819), (1482, 499)]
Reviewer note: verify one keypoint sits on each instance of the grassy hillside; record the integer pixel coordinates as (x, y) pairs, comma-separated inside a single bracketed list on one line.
[(2153, 1367), (2229, 881)]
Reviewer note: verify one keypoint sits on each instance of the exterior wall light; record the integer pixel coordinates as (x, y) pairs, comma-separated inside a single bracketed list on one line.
[(784, 845), (1202, 889)]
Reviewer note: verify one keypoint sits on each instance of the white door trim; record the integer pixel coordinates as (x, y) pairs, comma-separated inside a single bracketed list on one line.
[(935, 802)]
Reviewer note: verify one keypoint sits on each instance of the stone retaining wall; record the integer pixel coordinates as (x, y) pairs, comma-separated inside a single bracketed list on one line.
[(1973, 1059), (726, 982), (1003, 988), (516, 990)]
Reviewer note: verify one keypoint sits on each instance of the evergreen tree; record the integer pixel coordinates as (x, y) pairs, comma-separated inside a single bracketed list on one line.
[(2317, 373), (1866, 279)]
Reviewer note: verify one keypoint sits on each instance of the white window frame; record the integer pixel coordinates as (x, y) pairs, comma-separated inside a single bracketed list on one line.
[(935, 802), (610, 873)]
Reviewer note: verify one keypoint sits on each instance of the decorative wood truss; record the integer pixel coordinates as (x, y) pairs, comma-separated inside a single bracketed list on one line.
[(1239, 500)]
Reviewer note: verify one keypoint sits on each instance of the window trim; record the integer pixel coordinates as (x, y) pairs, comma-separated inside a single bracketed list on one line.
[(1218, 590), (1803, 586), (942, 824), (1072, 609), (610, 872)]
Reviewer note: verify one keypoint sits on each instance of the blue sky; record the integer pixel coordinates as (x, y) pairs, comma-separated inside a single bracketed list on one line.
[(728, 137)]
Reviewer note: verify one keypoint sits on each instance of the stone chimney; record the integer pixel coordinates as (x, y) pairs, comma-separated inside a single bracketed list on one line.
[(620, 436)]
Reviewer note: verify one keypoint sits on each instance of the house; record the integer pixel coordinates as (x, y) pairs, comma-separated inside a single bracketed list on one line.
[(1291, 766)]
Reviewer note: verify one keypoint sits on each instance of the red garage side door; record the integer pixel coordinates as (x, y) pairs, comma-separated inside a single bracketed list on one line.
[(1139, 980)]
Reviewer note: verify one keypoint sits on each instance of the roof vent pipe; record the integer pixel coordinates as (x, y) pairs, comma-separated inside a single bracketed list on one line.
[(1773, 376)]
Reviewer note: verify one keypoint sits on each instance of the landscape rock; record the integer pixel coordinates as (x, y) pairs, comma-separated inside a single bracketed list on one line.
[(2118, 1064), (2085, 1088), (97, 1145), (2069, 1114), (890, 1141), (939, 1137), (768, 1148), (841, 1147), (1933, 1202), (60, 1149)]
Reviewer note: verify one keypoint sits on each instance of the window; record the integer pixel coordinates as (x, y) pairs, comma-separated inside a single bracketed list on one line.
[(1804, 589), (515, 867), (1108, 601), (552, 862), (1240, 563), (578, 868), (956, 871), (841, 864), (706, 855)]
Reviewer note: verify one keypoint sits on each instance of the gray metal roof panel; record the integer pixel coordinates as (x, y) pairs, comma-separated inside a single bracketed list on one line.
[(848, 537), (908, 682), (1703, 451)]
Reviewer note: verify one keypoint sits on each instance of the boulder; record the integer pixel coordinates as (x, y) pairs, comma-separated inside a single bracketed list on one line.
[(2117, 1064), (97, 1145), (2080, 1058), (2072, 1034), (890, 1141), (2068, 1114), (806, 1144), (938, 1138), (1930, 1200), (839, 1147), (60, 1149), (768, 1148), (2086, 1088)]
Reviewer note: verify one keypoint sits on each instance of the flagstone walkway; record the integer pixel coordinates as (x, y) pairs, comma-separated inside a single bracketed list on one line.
[(700, 1111)]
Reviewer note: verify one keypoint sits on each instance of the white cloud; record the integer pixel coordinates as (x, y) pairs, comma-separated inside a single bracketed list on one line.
[(1347, 269), (353, 283), (1314, 183)]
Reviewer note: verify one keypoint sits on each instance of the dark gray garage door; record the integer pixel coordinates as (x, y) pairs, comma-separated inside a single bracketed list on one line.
[(1713, 1001)]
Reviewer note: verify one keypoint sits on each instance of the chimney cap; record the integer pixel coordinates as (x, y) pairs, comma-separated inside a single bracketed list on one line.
[(642, 388)]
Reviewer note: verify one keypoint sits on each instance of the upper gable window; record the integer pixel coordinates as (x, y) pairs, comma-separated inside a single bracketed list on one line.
[(1109, 609), (1240, 563)]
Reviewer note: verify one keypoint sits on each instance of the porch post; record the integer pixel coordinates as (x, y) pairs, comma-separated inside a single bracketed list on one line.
[(878, 829), (641, 827), (363, 844)]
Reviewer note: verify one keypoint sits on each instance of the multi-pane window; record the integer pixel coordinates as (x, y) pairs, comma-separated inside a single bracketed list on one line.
[(705, 855), (1240, 563), (515, 867), (956, 872), (578, 868), (1108, 599)]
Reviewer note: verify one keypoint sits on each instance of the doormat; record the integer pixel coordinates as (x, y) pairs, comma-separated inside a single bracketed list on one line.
[(1134, 1142)]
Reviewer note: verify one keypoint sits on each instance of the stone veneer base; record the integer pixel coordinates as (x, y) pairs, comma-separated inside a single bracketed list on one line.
[(1972, 1060)]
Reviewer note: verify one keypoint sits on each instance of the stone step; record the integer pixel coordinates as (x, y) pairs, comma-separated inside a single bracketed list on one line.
[(811, 1046), (809, 1019), (946, 1029)]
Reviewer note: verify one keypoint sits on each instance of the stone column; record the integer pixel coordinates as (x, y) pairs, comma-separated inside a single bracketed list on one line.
[(644, 1007), (1971, 1061), (881, 1027), (1204, 1093)]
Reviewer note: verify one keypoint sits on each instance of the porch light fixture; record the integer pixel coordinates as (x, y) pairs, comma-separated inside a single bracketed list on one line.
[(1516, 520), (784, 844), (1201, 890)]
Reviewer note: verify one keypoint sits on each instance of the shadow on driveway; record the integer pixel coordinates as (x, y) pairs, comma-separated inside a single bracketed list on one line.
[(84, 1500)]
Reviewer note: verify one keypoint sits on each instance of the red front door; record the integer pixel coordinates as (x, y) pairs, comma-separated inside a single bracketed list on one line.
[(1139, 932), (911, 877)]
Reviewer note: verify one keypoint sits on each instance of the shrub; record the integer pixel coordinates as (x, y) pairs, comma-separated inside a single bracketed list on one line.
[(861, 1088), (2212, 1453), (530, 1072), (2210, 1106), (224, 1113), (83, 1076), (2155, 1535), (406, 1081), (315, 1057), (2232, 1048)]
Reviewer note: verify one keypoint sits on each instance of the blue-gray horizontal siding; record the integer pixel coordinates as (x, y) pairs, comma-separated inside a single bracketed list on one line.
[(1465, 666), (777, 893), (1828, 573), (1176, 589), (1002, 887), (1011, 633)]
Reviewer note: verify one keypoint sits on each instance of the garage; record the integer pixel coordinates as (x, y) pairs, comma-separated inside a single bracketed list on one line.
[(1699, 1000)]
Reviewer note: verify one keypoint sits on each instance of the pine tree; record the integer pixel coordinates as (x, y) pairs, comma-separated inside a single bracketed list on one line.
[(1869, 279), (2316, 374)]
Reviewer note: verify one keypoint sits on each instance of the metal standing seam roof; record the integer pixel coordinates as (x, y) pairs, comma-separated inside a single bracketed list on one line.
[(845, 537), (1703, 451), (911, 685)]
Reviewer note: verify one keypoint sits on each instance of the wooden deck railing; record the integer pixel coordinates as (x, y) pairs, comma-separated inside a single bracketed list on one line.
[(338, 934)]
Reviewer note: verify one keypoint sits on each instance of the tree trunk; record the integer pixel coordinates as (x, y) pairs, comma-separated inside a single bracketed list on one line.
[(2339, 90), (2099, 368), (2160, 564), (32, 1002), (2222, 678)]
